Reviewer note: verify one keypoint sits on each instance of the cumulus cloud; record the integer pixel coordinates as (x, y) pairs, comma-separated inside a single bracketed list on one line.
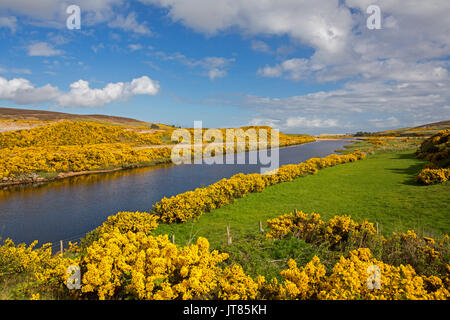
[(42, 49), (383, 123), (370, 105), (15, 70), (395, 76), (326, 25), (295, 69), (134, 47), (22, 91), (302, 122), (130, 23), (52, 13), (261, 46), (409, 46), (9, 22), (212, 67)]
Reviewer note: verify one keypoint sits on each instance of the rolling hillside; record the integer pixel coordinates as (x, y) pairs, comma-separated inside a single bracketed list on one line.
[(26, 118)]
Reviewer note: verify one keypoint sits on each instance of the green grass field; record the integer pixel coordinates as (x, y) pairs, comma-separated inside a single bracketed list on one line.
[(380, 188)]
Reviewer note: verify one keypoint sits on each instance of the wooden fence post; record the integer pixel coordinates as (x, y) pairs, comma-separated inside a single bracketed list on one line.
[(229, 240), (173, 239), (261, 230), (61, 246)]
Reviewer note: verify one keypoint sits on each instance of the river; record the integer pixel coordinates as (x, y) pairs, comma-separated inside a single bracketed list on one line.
[(67, 209)]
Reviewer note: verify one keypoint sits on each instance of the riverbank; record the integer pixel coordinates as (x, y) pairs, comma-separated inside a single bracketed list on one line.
[(36, 178), (42, 178), (380, 189)]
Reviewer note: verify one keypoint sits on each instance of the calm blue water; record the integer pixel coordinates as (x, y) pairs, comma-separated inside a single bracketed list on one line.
[(69, 208)]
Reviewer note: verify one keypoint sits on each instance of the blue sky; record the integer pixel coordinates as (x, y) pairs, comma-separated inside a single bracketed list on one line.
[(298, 65)]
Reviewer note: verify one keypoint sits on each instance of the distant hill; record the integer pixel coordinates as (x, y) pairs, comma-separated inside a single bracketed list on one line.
[(445, 123), (40, 115), (422, 130)]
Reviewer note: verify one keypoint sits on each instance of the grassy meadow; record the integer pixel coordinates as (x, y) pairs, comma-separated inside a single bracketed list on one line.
[(380, 189)]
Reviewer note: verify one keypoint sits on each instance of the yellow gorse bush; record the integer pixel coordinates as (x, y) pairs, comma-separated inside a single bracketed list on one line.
[(349, 281), (17, 161), (76, 146), (22, 258), (192, 204), (148, 267), (430, 176), (38, 265), (436, 150), (126, 263), (341, 233), (312, 228), (75, 133), (123, 222), (234, 284)]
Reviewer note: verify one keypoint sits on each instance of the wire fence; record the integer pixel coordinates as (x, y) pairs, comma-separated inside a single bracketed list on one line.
[(64, 243)]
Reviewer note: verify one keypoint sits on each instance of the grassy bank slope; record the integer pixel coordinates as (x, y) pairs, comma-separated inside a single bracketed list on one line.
[(380, 189)]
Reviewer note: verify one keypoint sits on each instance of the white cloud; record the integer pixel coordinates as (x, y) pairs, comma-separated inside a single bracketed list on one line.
[(15, 70), (325, 25), (395, 76), (261, 46), (302, 122), (42, 49), (385, 123), (21, 91), (95, 48), (52, 13), (216, 73), (21, 71), (358, 105), (134, 47), (9, 22), (212, 67), (295, 69), (130, 23)]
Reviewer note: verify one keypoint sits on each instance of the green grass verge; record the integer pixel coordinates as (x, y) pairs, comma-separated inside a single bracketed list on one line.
[(380, 189)]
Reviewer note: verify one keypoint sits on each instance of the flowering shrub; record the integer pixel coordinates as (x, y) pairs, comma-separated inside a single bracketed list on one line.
[(20, 258), (192, 204), (377, 142), (146, 267), (436, 150), (341, 233), (123, 222), (430, 176), (234, 284), (38, 266), (75, 133), (304, 283), (312, 228), (349, 281), (18, 161), (133, 265), (84, 146)]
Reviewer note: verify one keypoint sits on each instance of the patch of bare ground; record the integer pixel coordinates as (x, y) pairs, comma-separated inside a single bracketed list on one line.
[(13, 126)]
